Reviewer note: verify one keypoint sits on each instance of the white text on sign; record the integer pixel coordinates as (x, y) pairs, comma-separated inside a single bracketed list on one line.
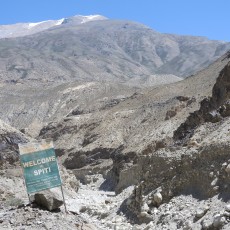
[(38, 161), (41, 171)]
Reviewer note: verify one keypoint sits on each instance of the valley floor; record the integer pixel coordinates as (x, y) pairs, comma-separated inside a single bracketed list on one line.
[(91, 208)]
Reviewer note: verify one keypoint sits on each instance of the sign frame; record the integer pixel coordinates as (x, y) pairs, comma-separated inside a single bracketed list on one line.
[(40, 167)]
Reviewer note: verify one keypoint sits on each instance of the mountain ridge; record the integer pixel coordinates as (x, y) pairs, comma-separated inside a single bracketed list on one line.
[(27, 28), (104, 50)]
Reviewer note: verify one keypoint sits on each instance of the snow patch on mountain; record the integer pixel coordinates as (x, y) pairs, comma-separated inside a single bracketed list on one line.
[(59, 22), (91, 18), (31, 25)]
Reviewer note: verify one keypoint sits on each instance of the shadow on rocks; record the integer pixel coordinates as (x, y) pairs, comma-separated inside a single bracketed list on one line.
[(127, 213)]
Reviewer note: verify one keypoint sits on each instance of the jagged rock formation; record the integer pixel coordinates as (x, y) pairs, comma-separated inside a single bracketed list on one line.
[(9, 139), (212, 109)]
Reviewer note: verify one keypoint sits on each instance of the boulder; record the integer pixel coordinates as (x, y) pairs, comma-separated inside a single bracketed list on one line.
[(157, 198), (201, 212), (48, 200), (218, 221)]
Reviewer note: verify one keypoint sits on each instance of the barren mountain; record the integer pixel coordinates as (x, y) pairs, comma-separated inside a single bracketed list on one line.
[(104, 50)]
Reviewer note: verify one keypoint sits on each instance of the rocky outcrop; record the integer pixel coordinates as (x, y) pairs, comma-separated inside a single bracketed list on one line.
[(212, 109), (82, 158), (9, 139)]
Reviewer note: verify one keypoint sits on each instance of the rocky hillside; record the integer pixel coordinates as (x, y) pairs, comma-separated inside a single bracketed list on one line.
[(195, 164), (165, 141), (154, 159), (142, 122), (31, 108)]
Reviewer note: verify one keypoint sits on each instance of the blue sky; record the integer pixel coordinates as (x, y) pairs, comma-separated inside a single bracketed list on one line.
[(208, 18)]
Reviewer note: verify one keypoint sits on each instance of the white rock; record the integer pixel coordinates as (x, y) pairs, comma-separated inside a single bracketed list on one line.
[(227, 169), (150, 226), (211, 174), (118, 220), (135, 227), (157, 198), (149, 202), (187, 225), (218, 220), (214, 182), (155, 211), (206, 224), (200, 213), (145, 208), (143, 214), (146, 174), (227, 208), (227, 214)]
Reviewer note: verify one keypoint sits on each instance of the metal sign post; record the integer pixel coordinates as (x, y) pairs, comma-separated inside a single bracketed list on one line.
[(40, 167), (63, 199)]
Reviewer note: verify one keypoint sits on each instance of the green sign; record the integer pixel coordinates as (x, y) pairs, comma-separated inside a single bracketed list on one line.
[(40, 170)]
